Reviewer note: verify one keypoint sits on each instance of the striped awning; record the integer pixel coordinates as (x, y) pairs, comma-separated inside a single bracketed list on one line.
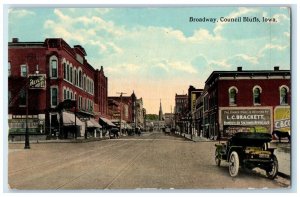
[(93, 123), (69, 119)]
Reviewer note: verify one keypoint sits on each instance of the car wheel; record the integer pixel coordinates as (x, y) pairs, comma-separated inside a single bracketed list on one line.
[(272, 172), (234, 164), (217, 157)]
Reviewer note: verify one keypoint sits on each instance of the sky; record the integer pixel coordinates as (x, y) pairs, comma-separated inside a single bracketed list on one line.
[(156, 51)]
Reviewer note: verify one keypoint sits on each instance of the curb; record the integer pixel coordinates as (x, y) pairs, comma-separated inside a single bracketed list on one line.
[(283, 175)]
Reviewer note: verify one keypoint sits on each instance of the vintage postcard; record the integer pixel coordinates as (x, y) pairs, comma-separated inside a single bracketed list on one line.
[(174, 98)]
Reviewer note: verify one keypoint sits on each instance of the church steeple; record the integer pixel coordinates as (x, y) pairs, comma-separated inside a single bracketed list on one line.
[(160, 116)]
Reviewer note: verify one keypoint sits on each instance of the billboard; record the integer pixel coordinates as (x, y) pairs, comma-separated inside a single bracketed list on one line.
[(282, 119), (260, 118)]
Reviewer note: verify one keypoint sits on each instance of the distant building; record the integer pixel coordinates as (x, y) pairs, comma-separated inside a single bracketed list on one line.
[(181, 111), (193, 95), (140, 115), (169, 120)]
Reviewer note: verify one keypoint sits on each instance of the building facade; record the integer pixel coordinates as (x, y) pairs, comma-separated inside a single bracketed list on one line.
[(251, 98), (65, 75), (181, 112)]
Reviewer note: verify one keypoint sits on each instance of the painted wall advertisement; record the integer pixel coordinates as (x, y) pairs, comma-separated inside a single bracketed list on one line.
[(260, 118), (282, 120)]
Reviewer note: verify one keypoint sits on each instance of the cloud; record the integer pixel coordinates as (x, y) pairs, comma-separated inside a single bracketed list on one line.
[(20, 13), (251, 59), (269, 46), (241, 11)]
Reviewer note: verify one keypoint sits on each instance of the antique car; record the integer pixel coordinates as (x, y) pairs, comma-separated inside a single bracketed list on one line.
[(248, 150)]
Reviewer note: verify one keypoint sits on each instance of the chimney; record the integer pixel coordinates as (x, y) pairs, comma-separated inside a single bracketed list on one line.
[(276, 68), (239, 68), (14, 40)]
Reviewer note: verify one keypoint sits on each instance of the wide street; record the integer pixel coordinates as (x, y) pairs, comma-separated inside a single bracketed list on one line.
[(152, 160)]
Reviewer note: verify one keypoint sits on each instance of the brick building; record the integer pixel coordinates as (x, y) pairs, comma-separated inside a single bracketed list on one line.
[(181, 111), (246, 98), (67, 76)]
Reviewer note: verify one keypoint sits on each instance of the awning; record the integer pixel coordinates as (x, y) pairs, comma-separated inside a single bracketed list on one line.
[(107, 122), (93, 123), (69, 119)]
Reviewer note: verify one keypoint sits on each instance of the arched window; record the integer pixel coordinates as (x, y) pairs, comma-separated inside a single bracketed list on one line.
[(232, 95), (68, 72), (256, 95), (80, 78), (75, 76), (65, 70), (283, 96), (53, 61), (71, 74)]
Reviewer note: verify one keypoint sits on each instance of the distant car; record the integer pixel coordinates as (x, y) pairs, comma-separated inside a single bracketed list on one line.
[(248, 150)]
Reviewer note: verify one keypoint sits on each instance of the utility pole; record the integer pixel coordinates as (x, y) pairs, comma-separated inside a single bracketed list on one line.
[(121, 106)]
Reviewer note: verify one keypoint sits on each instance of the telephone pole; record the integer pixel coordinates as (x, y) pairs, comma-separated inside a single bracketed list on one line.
[(121, 106)]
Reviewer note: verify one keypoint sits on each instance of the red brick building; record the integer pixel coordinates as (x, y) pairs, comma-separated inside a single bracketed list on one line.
[(68, 76), (246, 98), (181, 111)]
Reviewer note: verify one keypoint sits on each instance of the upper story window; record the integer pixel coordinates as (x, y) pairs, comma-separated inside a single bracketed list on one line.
[(71, 74), (232, 95), (75, 77), (80, 78), (23, 70), (9, 69), (257, 95), (53, 66), (54, 96), (65, 70), (68, 72), (284, 95)]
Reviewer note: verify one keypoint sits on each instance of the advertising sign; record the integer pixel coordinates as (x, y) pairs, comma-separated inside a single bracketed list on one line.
[(260, 118), (282, 120), (37, 81), (193, 102)]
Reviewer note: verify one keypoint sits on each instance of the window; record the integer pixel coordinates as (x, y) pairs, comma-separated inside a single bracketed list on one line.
[(256, 95), (23, 70), (80, 78), (65, 70), (283, 96), (54, 94), (22, 98), (75, 77), (232, 96), (65, 94), (9, 69), (68, 72), (54, 68), (71, 74)]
